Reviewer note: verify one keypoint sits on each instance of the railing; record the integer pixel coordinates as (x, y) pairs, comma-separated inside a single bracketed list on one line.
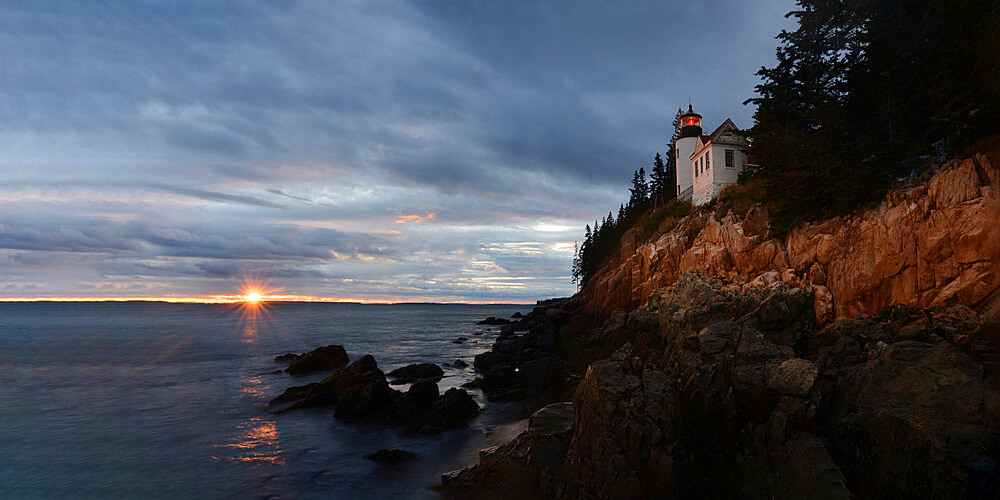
[(686, 194)]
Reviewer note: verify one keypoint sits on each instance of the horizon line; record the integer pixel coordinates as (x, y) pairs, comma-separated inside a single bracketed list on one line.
[(242, 300)]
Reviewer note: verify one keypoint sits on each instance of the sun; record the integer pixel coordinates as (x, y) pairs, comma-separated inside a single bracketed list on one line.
[(252, 296)]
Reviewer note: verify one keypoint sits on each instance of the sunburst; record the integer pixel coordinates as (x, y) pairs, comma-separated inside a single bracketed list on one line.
[(252, 305)]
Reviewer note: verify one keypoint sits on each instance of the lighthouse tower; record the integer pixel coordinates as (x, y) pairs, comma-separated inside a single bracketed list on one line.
[(684, 147)]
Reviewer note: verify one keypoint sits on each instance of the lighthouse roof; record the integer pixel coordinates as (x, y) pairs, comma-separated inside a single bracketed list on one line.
[(690, 112), (705, 140)]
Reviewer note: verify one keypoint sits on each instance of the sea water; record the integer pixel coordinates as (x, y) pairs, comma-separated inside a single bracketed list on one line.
[(147, 399)]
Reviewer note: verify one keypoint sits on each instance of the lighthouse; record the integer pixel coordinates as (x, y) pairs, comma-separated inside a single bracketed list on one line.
[(686, 143), (707, 163)]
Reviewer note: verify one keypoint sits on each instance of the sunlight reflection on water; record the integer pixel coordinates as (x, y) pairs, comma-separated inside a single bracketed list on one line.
[(256, 442), (165, 400)]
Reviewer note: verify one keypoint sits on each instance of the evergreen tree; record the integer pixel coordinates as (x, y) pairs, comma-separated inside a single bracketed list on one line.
[(643, 186), (671, 157), (577, 261), (861, 91), (658, 180)]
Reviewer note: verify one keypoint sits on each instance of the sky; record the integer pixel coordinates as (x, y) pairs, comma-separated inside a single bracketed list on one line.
[(439, 151)]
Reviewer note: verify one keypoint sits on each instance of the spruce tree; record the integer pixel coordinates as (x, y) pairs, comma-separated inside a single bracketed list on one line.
[(658, 180), (643, 186)]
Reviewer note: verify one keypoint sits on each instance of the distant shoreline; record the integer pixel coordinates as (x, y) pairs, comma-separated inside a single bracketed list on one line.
[(270, 302)]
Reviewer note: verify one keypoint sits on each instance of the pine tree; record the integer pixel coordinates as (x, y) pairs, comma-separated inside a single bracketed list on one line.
[(658, 180), (643, 186), (671, 160), (577, 261)]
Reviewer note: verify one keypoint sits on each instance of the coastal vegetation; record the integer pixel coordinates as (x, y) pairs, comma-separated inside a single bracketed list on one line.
[(652, 205), (868, 92), (865, 94)]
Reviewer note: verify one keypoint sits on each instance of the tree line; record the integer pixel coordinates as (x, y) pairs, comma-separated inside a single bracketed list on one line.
[(866, 93), (601, 240)]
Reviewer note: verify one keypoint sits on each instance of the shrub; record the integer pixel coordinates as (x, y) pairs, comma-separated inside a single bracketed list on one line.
[(740, 197), (694, 228), (662, 218)]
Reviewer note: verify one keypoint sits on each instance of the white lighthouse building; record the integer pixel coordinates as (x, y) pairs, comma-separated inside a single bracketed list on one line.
[(707, 163)]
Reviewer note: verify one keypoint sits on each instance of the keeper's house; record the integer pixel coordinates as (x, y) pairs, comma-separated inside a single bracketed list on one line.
[(707, 163)]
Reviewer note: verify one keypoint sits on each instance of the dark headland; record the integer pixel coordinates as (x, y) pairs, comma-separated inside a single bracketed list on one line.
[(859, 357)]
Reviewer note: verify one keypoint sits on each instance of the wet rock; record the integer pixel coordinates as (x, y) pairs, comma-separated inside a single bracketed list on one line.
[(361, 389), (392, 457), (288, 357), (458, 363), (414, 372), (330, 357), (486, 361), (358, 390), (460, 340), (526, 467), (494, 321), (455, 408), (505, 395), (517, 315), (296, 393), (423, 393)]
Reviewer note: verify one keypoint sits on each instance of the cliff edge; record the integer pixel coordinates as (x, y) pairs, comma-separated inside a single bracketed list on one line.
[(856, 357), (924, 245)]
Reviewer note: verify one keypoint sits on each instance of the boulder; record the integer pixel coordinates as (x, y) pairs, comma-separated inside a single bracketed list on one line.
[(526, 467), (420, 371), (494, 321), (454, 408), (288, 357), (326, 358), (423, 393), (794, 377), (488, 360), (359, 390)]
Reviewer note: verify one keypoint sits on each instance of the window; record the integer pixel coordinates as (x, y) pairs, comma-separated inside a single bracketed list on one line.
[(708, 162), (696, 168), (730, 161)]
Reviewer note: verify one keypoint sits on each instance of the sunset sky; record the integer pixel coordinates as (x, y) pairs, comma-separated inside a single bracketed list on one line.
[(385, 151)]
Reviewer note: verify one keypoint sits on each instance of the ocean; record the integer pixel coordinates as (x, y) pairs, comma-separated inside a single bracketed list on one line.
[(146, 399)]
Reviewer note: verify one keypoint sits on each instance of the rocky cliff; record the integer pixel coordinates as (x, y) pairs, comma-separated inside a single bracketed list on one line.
[(859, 357), (924, 245)]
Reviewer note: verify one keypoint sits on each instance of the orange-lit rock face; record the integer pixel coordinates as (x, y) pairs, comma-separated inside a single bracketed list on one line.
[(924, 246)]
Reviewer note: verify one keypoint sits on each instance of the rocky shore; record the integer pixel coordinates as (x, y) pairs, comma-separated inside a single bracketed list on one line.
[(361, 392), (858, 358), (713, 389)]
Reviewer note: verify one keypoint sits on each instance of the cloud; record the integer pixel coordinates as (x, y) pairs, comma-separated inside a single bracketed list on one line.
[(415, 219), (187, 143), (221, 197)]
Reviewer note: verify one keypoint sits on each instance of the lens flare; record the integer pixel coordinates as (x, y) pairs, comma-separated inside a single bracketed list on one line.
[(252, 296)]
